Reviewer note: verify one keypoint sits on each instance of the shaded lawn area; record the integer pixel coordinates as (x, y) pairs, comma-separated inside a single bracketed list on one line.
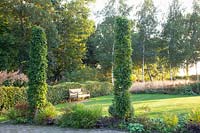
[(152, 105)]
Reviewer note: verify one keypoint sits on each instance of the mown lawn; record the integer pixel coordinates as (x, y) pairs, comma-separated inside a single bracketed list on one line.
[(152, 105)]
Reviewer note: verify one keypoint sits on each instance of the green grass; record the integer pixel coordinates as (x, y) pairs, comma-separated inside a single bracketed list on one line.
[(149, 104), (2, 118)]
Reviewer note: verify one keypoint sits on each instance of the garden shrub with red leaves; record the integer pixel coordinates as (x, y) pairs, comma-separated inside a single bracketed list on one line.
[(19, 114)]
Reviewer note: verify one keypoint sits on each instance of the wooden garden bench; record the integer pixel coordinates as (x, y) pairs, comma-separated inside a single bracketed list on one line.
[(76, 94)]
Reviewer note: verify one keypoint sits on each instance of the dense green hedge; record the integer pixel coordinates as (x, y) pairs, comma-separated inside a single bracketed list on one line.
[(192, 89), (59, 93), (9, 96)]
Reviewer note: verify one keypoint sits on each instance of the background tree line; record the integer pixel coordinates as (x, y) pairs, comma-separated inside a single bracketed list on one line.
[(159, 48), (79, 50)]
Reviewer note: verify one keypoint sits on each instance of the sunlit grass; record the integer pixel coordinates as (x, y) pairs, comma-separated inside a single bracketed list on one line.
[(152, 105), (2, 118)]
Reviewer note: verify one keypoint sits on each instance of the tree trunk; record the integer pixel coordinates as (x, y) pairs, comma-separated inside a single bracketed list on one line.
[(149, 74), (187, 70), (113, 51), (170, 69), (197, 71), (143, 50)]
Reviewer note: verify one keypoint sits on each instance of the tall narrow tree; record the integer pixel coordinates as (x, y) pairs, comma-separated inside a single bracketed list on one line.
[(146, 25), (37, 70), (121, 107), (103, 39), (195, 35), (173, 33)]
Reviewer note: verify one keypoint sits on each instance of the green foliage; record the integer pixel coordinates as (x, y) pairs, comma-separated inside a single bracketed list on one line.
[(8, 51), (56, 94), (84, 74), (193, 30), (19, 16), (16, 83), (79, 116), (15, 117), (135, 128), (10, 96), (100, 45), (98, 88), (74, 27), (37, 69), (173, 33), (147, 47), (67, 28), (194, 116), (122, 69), (59, 93), (19, 114), (46, 115), (170, 120), (167, 124)]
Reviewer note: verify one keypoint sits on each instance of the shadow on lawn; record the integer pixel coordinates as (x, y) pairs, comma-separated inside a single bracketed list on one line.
[(182, 111), (137, 98), (147, 97)]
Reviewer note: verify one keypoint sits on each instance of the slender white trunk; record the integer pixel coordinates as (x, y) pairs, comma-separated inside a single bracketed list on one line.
[(112, 76), (143, 50), (197, 71), (113, 50), (170, 69)]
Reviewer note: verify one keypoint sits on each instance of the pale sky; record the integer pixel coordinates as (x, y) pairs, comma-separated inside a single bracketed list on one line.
[(162, 6)]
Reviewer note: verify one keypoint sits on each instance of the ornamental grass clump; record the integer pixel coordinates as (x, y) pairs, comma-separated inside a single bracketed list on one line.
[(80, 116)]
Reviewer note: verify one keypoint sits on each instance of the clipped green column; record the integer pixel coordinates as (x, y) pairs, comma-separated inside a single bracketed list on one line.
[(37, 69), (121, 107)]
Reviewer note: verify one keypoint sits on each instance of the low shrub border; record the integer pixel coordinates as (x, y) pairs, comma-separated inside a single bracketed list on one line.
[(80, 116), (10, 96), (59, 93)]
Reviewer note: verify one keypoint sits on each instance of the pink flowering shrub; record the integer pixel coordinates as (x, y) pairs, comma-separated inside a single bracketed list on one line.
[(13, 79)]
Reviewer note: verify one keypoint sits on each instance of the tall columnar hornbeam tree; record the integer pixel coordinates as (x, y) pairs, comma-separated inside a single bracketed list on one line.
[(37, 69), (121, 107)]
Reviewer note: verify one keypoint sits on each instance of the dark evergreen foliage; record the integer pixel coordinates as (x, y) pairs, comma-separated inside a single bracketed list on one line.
[(37, 69), (121, 107)]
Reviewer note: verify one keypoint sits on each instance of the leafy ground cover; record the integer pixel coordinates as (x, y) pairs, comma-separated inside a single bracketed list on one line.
[(153, 105)]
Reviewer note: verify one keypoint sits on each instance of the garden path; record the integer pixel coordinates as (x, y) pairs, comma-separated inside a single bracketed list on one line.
[(8, 128)]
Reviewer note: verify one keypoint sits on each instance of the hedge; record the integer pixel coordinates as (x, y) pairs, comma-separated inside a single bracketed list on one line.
[(59, 93), (9, 96), (56, 94)]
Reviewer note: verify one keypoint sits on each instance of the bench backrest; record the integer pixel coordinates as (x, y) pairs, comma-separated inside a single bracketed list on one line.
[(75, 90)]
